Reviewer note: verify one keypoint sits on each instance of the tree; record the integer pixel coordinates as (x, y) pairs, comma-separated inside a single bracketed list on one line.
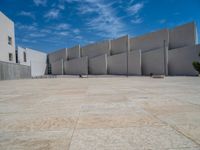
[(196, 65)]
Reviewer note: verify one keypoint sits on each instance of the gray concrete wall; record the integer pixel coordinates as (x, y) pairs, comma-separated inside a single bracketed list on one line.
[(11, 71), (181, 36), (58, 55), (180, 60), (119, 45), (151, 41), (57, 67), (96, 49), (134, 63), (98, 65), (73, 52), (6, 29), (153, 62), (117, 64), (76, 66)]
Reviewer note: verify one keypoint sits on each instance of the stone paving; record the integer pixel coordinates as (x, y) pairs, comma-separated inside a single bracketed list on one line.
[(103, 113)]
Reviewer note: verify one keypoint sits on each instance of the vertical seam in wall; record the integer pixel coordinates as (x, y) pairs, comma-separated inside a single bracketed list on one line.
[(106, 61), (127, 54)]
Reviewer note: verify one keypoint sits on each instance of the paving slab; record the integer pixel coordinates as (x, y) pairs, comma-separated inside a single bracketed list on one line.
[(129, 139), (100, 112)]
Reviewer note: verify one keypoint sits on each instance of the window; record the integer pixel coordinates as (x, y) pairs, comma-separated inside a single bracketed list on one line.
[(24, 56), (10, 57), (9, 40)]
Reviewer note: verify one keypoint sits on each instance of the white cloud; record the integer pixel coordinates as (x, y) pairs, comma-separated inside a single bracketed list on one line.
[(28, 41), (60, 6), (63, 26), (32, 27), (40, 2), (137, 20), (105, 23), (45, 31), (85, 9), (76, 31), (63, 33), (162, 21), (37, 35), (52, 14), (27, 14), (134, 9), (79, 37)]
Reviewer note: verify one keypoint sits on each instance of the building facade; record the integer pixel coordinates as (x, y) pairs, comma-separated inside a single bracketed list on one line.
[(7, 39), (23, 59), (164, 52), (35, 59)]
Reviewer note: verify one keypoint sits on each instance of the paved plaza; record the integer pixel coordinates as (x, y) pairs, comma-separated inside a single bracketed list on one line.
[(100, 113)]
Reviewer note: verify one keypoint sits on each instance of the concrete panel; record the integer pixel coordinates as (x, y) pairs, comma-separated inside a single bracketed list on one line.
[(154, 62), (119, 45), (182, 36), (57, 67), (76, 66), (96, 49), (134, 62), (151, 41), (10, 71), (117, 64), (73, 52), (180, 60), (98, 65), (58, 55)]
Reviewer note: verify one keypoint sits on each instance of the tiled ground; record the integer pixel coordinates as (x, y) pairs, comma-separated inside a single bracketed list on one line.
[(103, 113)]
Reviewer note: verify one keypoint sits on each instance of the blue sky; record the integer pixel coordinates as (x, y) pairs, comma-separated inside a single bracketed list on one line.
[(48, 25)]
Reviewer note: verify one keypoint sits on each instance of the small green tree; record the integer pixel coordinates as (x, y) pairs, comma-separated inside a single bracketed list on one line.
[(196, 65)]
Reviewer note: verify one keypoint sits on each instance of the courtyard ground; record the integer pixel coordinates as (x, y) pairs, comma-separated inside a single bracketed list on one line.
[(103, 113)]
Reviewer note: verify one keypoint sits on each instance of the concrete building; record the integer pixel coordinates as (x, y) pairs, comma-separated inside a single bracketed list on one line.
[(28, 62), (35, 59), (7, 39), (56, 61), (163, 52)]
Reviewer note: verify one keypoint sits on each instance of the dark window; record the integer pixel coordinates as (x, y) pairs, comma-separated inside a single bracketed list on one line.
[(24, 56), (16, 56), (9, 40), (10, 57)]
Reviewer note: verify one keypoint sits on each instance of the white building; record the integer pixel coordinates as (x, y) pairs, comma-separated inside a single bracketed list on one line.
[(7, 39), (35, 59), (24, 56)]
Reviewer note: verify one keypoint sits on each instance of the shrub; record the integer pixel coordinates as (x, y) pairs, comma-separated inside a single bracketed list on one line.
[(196, 65)]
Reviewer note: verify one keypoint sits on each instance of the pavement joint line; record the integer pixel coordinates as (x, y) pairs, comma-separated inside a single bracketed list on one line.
[(75, 127), (174, 128), (186, 102)]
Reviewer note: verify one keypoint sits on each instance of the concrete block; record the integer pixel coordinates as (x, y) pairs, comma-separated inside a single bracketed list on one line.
[(57, 67), (180, 60), (98, 65), (151, 41), (134, 63), (119, 45), (73, 52), (154, 62), (181, 36), (117, 64), (76, 66), (96, 49), (58, 55)]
